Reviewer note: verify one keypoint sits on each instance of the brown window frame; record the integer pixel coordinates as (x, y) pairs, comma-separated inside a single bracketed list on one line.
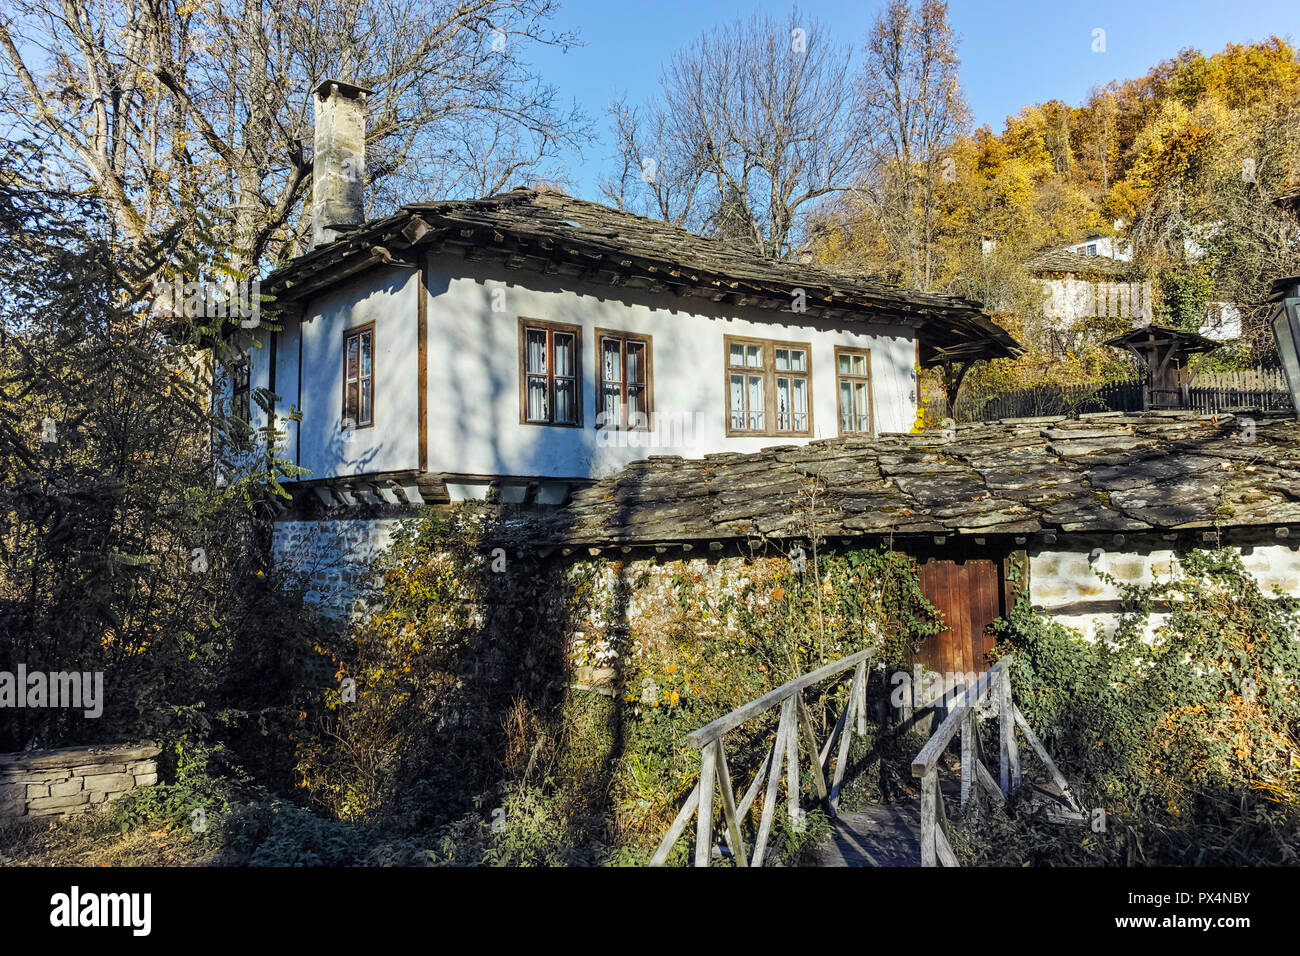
[(550, 328), (355, 333), (867, 379), (600, 335), (770, 375)]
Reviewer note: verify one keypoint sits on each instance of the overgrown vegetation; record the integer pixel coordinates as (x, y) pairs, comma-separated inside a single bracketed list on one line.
[(1189, 742)]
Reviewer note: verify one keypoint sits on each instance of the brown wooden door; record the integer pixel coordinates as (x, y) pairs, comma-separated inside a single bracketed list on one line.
[(968, 594)]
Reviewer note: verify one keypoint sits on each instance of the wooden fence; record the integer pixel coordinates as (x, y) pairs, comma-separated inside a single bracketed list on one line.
[(1261, 388), (715, 774), (1257, 388)]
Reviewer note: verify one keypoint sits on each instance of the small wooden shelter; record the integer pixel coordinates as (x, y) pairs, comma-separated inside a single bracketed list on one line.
[(1163, 353)]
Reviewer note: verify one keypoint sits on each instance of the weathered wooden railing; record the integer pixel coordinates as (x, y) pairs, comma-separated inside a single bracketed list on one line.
[(716, 775), (963, 715)]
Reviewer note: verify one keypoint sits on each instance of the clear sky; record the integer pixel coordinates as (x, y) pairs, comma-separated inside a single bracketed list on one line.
[(1014, 52)]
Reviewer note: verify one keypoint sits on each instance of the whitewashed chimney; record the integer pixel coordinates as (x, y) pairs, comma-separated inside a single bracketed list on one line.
[(339, 161)]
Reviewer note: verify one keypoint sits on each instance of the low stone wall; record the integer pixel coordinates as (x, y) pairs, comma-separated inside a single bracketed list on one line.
[(59, 782)]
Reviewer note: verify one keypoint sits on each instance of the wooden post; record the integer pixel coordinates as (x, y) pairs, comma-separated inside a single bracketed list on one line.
[(792, 763), (1010, 756), (675, 831), (704, 822), (967, 755), (860, 686), (842, 759), (929, 784)]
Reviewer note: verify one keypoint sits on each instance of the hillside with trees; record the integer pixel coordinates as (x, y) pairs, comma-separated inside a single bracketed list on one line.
[(1184, 163)]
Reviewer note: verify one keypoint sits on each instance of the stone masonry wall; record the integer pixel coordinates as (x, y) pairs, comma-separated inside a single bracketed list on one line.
[(332, 558), (59, 782)]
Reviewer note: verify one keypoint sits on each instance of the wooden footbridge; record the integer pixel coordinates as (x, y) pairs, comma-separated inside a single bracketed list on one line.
[(906, 834)]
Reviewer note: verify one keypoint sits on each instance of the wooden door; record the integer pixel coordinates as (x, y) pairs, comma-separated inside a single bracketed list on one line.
[(969, 595)]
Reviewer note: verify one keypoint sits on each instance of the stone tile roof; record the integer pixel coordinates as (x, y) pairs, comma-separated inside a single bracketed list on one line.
[(1107, 472), (548, 231), (1060, 262)]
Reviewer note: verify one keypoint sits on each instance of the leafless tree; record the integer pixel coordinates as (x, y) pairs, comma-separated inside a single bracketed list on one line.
[(155, 104), (914, 107), (754, 123)]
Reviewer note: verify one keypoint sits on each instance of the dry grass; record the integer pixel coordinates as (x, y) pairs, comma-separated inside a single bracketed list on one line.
[(90, 839)]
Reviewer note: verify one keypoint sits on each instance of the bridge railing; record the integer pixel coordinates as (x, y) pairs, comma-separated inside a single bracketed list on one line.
[(962, 717), (795, 721)]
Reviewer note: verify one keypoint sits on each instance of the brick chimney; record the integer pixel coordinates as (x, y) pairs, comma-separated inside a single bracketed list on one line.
[(339, 164)]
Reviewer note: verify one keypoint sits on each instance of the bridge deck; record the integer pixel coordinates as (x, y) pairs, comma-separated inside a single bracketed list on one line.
[(887, 834)]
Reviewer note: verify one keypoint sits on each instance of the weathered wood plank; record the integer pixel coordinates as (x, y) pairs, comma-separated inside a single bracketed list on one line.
[(675, 831), (773, 786), (729, 807), (929, 755), (929, 785), (811, 736), (1057, 777), (714, 730), (704, 821), (792, 766)]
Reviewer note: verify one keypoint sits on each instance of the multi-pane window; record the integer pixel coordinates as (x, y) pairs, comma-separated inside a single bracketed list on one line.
[(550, 373), (240, 404), (359, 377), (853, 376), (769, 388), (625, 390)]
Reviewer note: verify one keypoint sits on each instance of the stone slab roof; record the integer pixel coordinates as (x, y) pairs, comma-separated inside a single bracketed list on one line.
[(1061, 262), (1108, 472), (550, 232)]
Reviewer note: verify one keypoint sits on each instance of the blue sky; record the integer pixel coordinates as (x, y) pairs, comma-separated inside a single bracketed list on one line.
[(1014, 52)]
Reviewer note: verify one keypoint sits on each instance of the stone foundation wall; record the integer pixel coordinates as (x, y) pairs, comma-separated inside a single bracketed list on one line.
[(59, 782), (332, 558)]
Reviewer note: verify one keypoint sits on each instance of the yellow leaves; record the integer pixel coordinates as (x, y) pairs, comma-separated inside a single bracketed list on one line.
[(778, 593)]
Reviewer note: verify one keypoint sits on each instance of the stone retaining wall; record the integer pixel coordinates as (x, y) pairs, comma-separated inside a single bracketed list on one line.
[(60, 782)]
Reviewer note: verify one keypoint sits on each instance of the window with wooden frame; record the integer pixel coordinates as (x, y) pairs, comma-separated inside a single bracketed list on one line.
[(853, 382), (626, 392), (550, 373), (769, 387), (240, 392), (359, 377)]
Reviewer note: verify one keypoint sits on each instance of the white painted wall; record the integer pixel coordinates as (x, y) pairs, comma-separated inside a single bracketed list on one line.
[(473, 374), (1068, 299), (474, 422), (1060, 580)]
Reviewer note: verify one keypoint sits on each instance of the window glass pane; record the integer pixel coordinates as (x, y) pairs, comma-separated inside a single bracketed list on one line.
[(636, 413), (636, 363), (754, 356), (564, 405), (350, 363), (797, 360), (737, 400), (846, 405), (537, 351), (365, 354), (563, 354), (755, 402), (783, 404), (859, 365), (844, 364), (609, 407), (783, 360), (799, 404), (350, 404), (363, 417), (610, 363), (737, 355), (536, 399), (862, 406)]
